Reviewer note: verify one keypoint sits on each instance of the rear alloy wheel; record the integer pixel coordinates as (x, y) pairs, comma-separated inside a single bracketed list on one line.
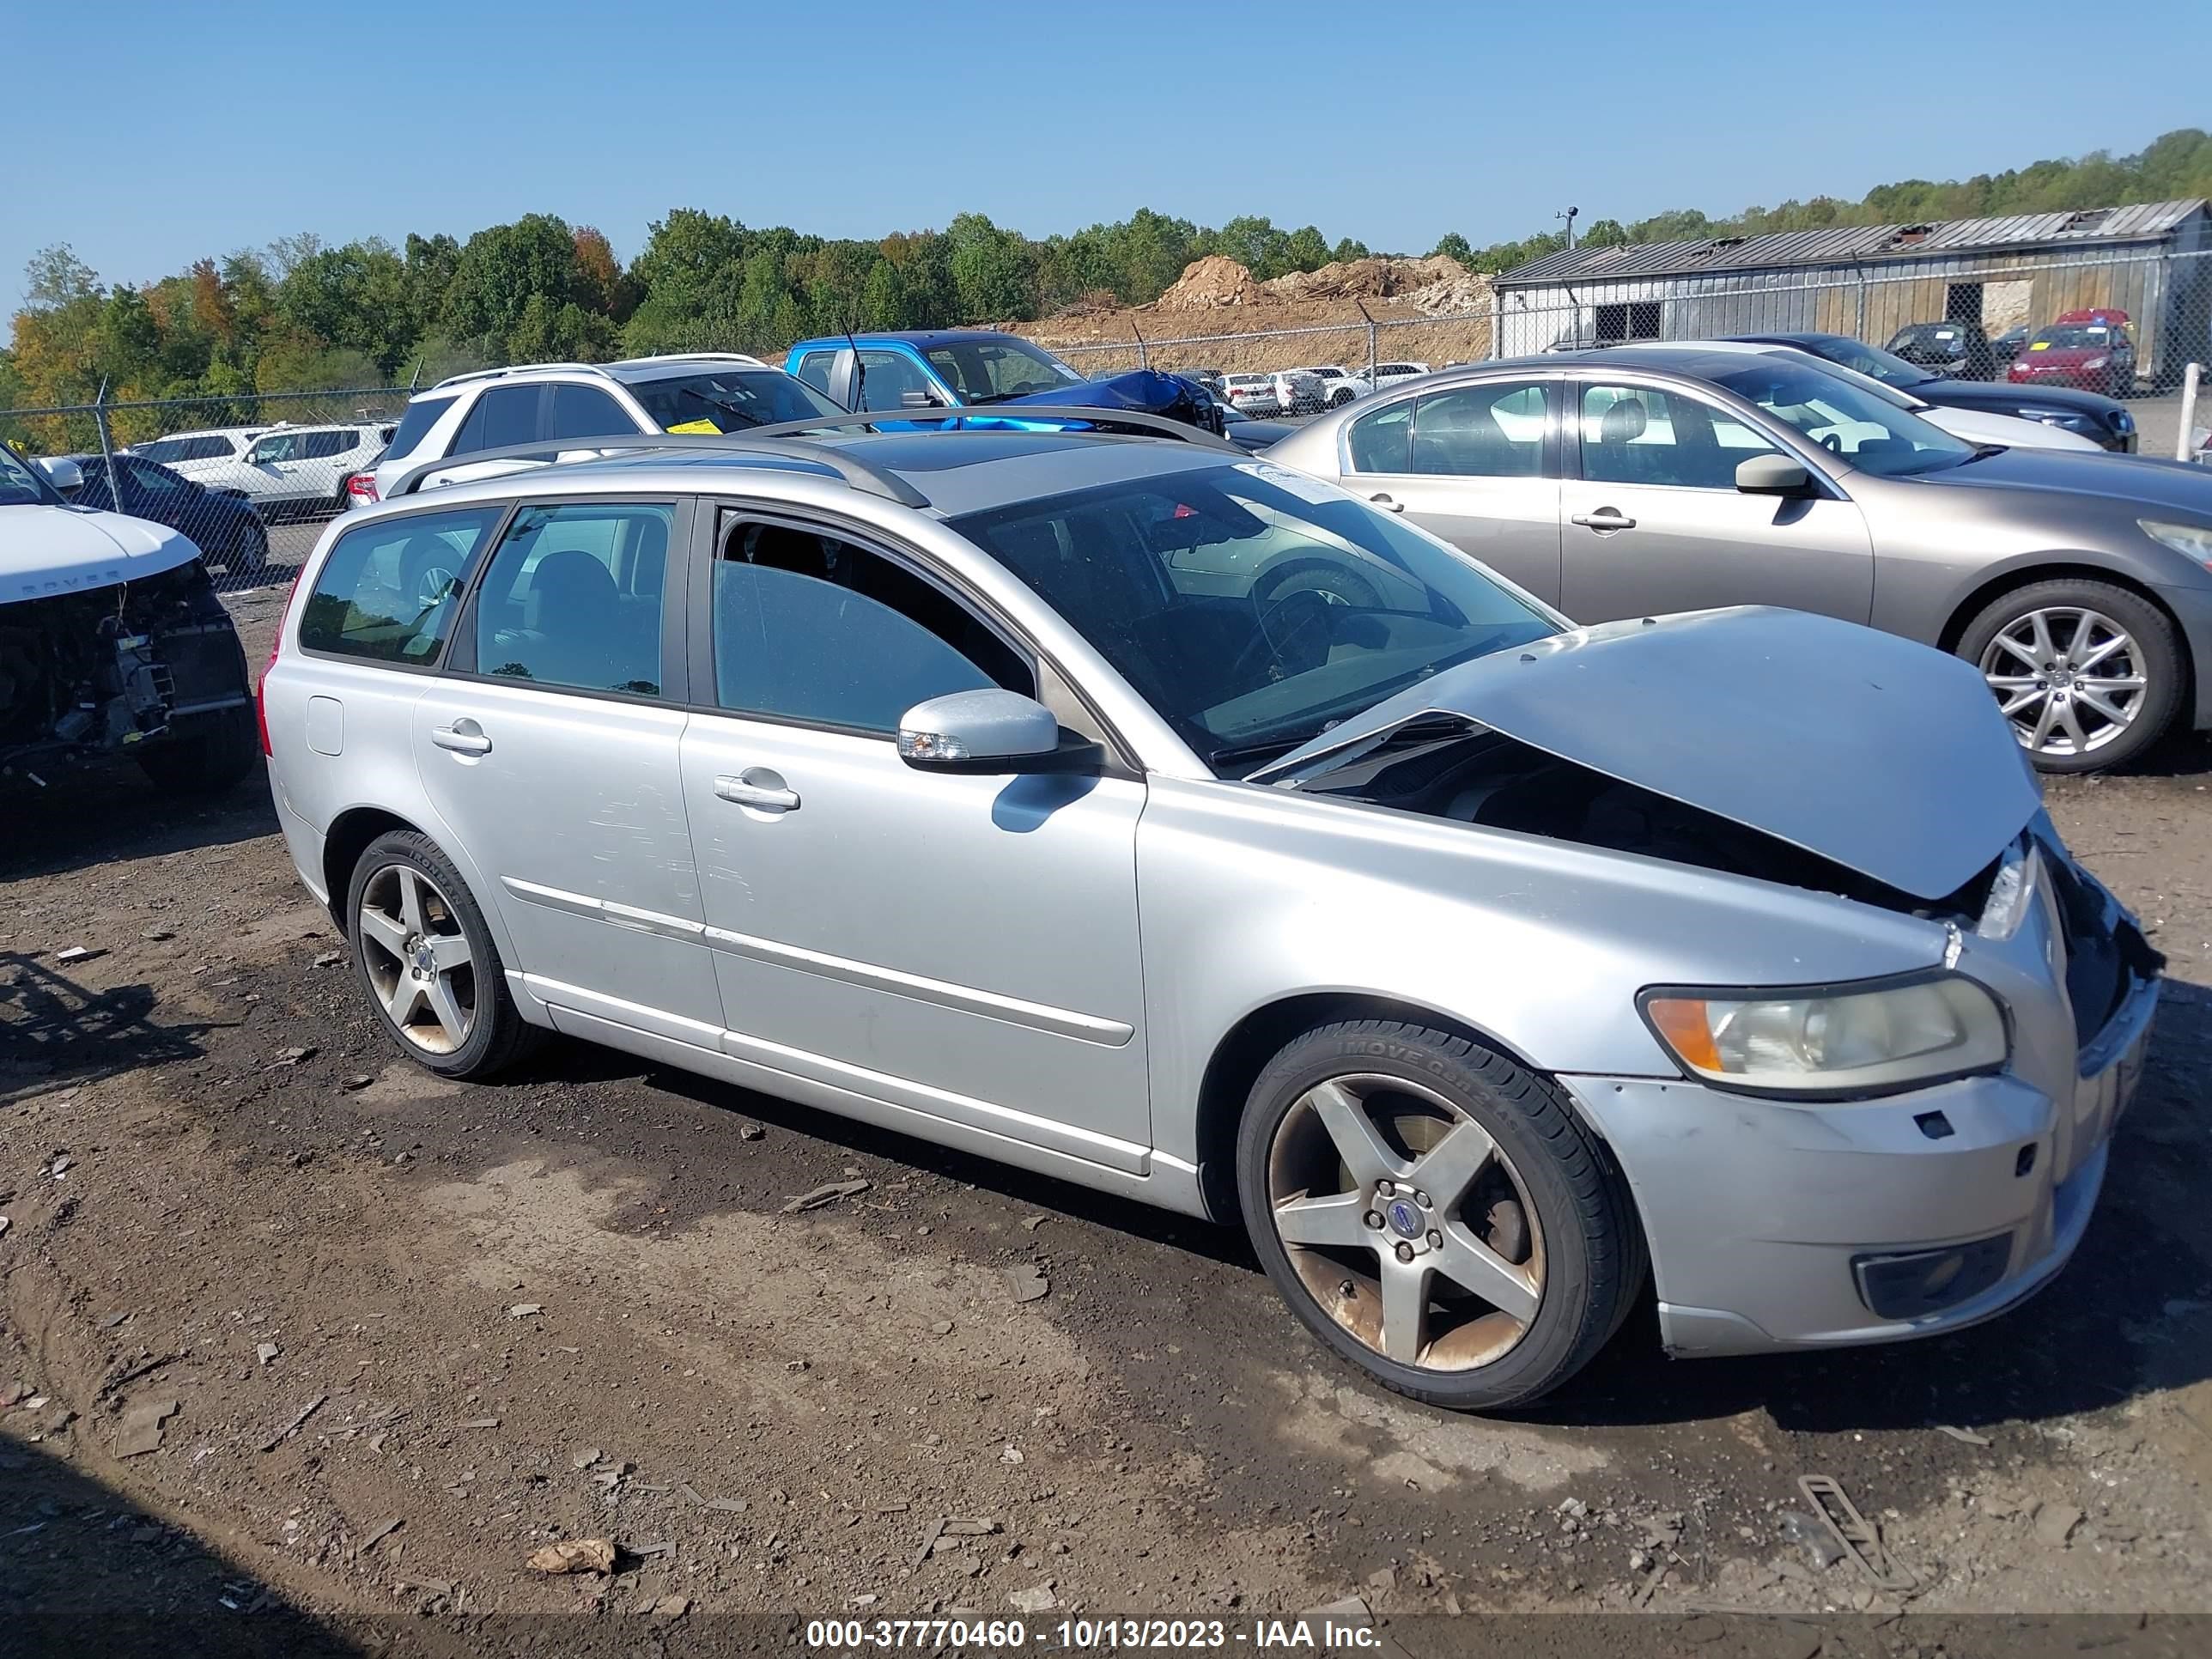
[(2088, 673), (1435, 1215), (427, 961)]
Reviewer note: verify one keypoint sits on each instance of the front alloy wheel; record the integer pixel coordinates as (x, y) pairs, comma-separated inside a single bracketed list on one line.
[(1405, 1222), (1435, 1215)]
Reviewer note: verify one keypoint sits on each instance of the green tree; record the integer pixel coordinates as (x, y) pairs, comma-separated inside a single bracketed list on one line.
[(55, 278), (1453, 246), (502, 269), (993, 271)]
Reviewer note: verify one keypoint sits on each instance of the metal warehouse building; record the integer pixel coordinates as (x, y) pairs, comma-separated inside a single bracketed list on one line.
[(2154, 261)]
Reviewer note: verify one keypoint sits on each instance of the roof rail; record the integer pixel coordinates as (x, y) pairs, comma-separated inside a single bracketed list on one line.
[(859, 474), (740, 357), (516, 368), (1146, 424)]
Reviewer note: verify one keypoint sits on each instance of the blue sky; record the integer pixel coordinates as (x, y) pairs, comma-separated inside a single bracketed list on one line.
[(228, 124)]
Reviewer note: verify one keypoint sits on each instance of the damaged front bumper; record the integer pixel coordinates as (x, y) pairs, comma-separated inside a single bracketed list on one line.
[(1774, 1224)]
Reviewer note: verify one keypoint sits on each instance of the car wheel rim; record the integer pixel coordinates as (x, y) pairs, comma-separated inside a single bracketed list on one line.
[(2070, 679), (418, 958), (1406, 1222)]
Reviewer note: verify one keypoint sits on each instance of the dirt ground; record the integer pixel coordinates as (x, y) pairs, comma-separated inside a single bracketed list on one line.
[(303, 1350)]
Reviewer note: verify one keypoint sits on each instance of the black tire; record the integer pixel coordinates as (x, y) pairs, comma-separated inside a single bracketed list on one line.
[(1594, 1260), (2164, 665), (1341, 396), (252, 553), (219, 752), (498, 1036)]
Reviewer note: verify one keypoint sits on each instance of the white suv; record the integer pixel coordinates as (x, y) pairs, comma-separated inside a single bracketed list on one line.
[(303, 469), (1337, 387), (501, 409), (211, 456)]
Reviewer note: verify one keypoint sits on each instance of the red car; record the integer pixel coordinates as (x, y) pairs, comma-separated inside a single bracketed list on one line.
[(2088, 348)]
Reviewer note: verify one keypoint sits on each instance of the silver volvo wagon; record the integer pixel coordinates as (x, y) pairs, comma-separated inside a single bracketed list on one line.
[(1163, 819)]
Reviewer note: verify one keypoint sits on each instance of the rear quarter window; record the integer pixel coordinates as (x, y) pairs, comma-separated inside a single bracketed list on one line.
[(389, 589), (421, 415)]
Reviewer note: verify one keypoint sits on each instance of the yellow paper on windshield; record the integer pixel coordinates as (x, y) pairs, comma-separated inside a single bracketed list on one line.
[(2040, 345), (695, 426)]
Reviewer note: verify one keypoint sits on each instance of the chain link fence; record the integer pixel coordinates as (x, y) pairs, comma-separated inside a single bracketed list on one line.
[(250, 477), (2126, 326)]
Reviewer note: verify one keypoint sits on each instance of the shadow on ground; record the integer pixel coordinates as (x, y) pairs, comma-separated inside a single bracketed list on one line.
[(103, 814), (85, 1570), (54, 1032)]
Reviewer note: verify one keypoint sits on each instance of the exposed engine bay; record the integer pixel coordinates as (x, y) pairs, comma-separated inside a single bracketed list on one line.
[(1442, 768), (105, 671)]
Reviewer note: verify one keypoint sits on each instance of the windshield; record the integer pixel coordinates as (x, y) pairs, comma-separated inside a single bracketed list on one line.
[(20, 484), (1870, 432), (728, 400), (1253, 607), (992, 371), (2071, 334)]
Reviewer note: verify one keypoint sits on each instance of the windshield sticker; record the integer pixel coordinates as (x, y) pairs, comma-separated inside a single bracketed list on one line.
[(1311, 490), (705, 427), (2039, 345)]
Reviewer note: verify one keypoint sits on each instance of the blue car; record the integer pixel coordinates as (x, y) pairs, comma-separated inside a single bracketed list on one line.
[(969, 369)]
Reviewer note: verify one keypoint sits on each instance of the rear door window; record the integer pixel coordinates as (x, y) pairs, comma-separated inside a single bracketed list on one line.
[(388, 589), (321, 446), (572, 598), (814, 369), (504, 415)]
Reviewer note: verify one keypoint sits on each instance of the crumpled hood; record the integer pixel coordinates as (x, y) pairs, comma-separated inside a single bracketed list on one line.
[(45, 550), (1144, 390), (1883, 755)]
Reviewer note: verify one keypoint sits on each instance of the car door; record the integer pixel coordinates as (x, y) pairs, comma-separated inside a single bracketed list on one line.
[(321, 464), (272, 468), (961, 947), (1476, 465), (1655, 522), (550, 746)]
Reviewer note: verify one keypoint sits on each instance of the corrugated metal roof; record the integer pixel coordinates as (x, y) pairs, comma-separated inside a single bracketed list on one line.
[(1845, 244)]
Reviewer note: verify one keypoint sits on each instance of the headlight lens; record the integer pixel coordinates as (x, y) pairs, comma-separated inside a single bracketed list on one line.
[(1872, 1041), (2195, 540), (2096, 362)]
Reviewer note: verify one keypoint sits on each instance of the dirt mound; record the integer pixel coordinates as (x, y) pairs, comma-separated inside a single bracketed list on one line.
[(1451, 296), (1364, 279), (1212, 283)]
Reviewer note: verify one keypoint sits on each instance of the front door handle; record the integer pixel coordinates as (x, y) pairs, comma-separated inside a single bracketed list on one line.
[(463, 736), (1606, 519), (1387, 504), (749, 789)]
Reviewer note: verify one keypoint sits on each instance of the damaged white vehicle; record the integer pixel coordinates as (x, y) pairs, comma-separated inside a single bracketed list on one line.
[(112, 643)]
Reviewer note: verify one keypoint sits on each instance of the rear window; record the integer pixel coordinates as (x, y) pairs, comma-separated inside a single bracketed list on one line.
[(388, 591), (421, 415)]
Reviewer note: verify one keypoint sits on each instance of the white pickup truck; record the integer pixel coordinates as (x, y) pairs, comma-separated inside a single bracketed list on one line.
[(112, 643)]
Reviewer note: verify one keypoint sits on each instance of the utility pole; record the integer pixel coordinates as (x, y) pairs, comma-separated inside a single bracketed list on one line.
[(1569, 215)]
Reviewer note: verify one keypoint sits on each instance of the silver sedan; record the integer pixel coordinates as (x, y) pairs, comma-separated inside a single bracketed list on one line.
[(1168, 822), (1630, 482)]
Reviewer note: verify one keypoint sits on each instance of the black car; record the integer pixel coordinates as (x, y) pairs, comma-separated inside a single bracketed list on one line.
[(2103, 421), (1961, 350), (221, 523)]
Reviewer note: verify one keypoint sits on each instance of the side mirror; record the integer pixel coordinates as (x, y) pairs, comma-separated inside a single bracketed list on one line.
[(1772, 475), (63, 474), (992, 732), (919, 400)]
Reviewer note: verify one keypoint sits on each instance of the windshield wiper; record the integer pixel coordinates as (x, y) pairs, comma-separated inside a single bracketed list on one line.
[(723, 404)]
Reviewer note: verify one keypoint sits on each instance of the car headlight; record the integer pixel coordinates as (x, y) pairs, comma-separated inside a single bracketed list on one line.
[(2096, 362), (2195, 540), (2068, 418), (1832, 1040)]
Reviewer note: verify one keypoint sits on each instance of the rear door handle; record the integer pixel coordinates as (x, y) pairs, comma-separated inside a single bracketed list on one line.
[(1606, 518), (768, 797), (462, 737), (1387, 504)]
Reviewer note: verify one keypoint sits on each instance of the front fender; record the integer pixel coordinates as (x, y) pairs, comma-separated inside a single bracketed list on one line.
[(1250, 896)]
